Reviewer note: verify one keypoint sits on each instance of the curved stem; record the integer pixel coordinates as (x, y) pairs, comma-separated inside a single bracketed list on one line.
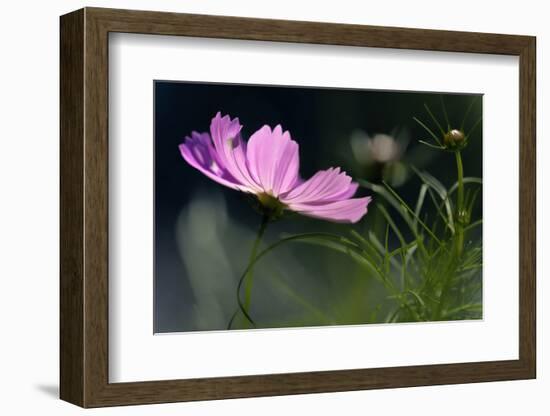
[(249, 279), (300, 237)]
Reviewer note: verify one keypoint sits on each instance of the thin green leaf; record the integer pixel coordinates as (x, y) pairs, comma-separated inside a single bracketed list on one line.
[(473, 128), (473, 225), (380, 247), (367, 246), (430, 132), (472, 201), (472, 267), (410, 252), (380, 190), (447, 218), (467, 179), (445, 112), (432, 181), (392, 316), (431, 145), (417, 297), (476, 307), (434, 119), (468, 113), (420, 200), (390, 221), (442, 192), (405, 206)]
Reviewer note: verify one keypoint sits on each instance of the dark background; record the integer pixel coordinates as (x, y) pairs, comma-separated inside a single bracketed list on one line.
[(203, 231)]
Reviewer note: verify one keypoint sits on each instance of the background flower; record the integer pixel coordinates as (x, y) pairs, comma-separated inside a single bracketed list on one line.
[(380, 157)]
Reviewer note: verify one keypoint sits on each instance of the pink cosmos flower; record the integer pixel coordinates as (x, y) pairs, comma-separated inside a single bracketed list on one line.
[(267, 166)]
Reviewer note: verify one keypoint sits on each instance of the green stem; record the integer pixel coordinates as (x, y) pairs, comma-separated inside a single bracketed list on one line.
[(459, 205), (249, 279), (459, 239)]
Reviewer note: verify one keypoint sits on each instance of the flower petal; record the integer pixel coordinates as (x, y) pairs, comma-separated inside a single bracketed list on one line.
[(273, 160), (326, 195), (325, 186), (231, 149), (286, 175), (198, 151), (345, 211)]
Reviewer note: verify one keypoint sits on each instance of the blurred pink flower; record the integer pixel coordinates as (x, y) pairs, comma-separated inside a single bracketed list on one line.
[(267, 166)]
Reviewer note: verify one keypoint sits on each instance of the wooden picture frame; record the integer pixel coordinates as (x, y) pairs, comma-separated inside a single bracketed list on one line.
[(84, 207)]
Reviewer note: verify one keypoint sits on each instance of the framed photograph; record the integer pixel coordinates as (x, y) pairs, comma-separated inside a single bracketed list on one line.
[(263, 207)]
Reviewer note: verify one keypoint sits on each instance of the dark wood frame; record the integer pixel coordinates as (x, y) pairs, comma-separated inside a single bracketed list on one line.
[(84, 207)]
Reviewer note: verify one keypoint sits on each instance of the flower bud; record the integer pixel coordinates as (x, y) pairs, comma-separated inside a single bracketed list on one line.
[(454, 139)]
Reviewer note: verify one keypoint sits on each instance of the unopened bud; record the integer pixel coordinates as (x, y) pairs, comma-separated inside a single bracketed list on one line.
[(454, 138)]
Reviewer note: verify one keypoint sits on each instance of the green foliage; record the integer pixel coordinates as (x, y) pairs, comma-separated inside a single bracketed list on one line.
[(429, 279), (427, 260)]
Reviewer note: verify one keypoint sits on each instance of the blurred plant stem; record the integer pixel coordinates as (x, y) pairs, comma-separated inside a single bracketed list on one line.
[(249, 279)]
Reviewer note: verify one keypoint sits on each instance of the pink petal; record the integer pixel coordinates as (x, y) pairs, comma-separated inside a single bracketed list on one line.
[(286, 173), (273, 159), (345, 211), (306, 188), (231, 149), (326, 195), (198, 151), (326, 185), (345, 194), (258, 144)]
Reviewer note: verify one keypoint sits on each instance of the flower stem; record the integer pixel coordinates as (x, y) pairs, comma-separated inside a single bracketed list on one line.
[(249, 279), (459, 205)]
